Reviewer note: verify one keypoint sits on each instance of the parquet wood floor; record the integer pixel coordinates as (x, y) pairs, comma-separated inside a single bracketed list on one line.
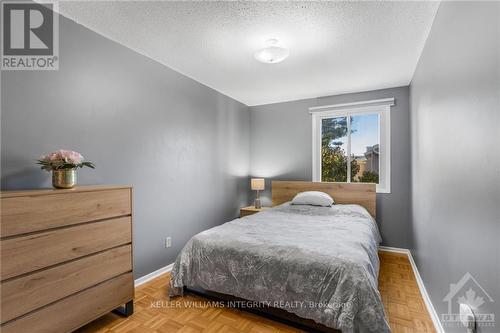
[(402, 300)]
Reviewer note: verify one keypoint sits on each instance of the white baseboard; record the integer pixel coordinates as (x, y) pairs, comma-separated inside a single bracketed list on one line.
[(153, 275), (394, 249), (421, 286)]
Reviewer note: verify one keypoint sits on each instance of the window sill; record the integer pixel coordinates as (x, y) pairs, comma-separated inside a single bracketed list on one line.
[(383, 190)]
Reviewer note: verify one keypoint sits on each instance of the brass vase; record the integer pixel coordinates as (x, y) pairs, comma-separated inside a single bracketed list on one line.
[(64, 178)]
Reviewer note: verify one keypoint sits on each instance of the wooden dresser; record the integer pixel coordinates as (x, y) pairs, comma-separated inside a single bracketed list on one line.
[(66, 257)]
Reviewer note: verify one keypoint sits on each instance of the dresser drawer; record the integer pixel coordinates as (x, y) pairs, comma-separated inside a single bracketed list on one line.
[(28, 213), (36, 251), (76, 310), (27, 293)]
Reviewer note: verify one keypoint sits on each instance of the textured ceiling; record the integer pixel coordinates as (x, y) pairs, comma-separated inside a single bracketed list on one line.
[(335, 47)]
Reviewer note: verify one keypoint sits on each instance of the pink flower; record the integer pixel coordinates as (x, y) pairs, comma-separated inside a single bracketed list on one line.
[(63, 159), (63, 156), (55, 157), (44, 158), (70, 156)]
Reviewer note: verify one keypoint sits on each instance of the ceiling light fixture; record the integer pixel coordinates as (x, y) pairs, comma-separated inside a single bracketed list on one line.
[(272, 53)]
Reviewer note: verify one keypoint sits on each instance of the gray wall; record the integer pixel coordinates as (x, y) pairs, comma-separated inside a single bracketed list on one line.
[(455, 113), (182, 146), (281, 148)]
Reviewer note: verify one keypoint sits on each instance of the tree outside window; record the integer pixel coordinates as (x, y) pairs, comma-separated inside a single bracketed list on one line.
[(364, 165)]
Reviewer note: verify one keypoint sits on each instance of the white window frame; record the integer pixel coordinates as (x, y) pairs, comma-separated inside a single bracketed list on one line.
[(382, 107)]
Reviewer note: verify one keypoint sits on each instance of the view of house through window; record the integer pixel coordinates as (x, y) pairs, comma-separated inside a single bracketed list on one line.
[(350, 148)]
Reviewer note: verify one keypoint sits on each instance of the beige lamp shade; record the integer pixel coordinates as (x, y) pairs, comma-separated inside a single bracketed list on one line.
[(257, 184)]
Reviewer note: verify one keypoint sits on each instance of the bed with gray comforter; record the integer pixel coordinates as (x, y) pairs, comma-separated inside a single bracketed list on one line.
[(319, 263)]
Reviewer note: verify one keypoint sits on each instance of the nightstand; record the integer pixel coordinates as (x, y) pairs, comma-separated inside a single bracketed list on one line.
[(245, 211)]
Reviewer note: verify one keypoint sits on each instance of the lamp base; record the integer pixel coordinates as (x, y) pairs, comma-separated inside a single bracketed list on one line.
[(257, 204)]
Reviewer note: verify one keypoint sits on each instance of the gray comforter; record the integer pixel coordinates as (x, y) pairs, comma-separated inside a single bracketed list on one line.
[(320, 263)]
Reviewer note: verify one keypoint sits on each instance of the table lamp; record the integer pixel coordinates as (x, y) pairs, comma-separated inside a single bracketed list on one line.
[(257, 184)]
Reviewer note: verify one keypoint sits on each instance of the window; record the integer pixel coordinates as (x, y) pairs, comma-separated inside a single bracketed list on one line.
[(351, 143)]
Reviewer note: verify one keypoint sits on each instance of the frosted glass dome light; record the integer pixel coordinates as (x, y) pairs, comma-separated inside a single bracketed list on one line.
[(272, 53)]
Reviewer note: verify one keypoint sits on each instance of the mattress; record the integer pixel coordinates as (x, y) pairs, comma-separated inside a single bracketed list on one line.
[(320, 263)]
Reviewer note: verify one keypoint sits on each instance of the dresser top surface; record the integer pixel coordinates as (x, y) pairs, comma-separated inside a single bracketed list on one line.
[(47, 191)]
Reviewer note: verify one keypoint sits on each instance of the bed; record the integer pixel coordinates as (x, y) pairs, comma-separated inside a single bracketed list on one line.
[(319, 263)]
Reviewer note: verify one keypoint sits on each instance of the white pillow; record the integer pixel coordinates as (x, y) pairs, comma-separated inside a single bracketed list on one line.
[(314, 198)]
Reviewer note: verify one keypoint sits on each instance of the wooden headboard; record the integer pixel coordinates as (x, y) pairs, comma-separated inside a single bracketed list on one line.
[(343, 193)]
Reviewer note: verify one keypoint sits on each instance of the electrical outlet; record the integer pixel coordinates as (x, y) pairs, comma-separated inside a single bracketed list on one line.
[(467, 318), (168, 242)]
